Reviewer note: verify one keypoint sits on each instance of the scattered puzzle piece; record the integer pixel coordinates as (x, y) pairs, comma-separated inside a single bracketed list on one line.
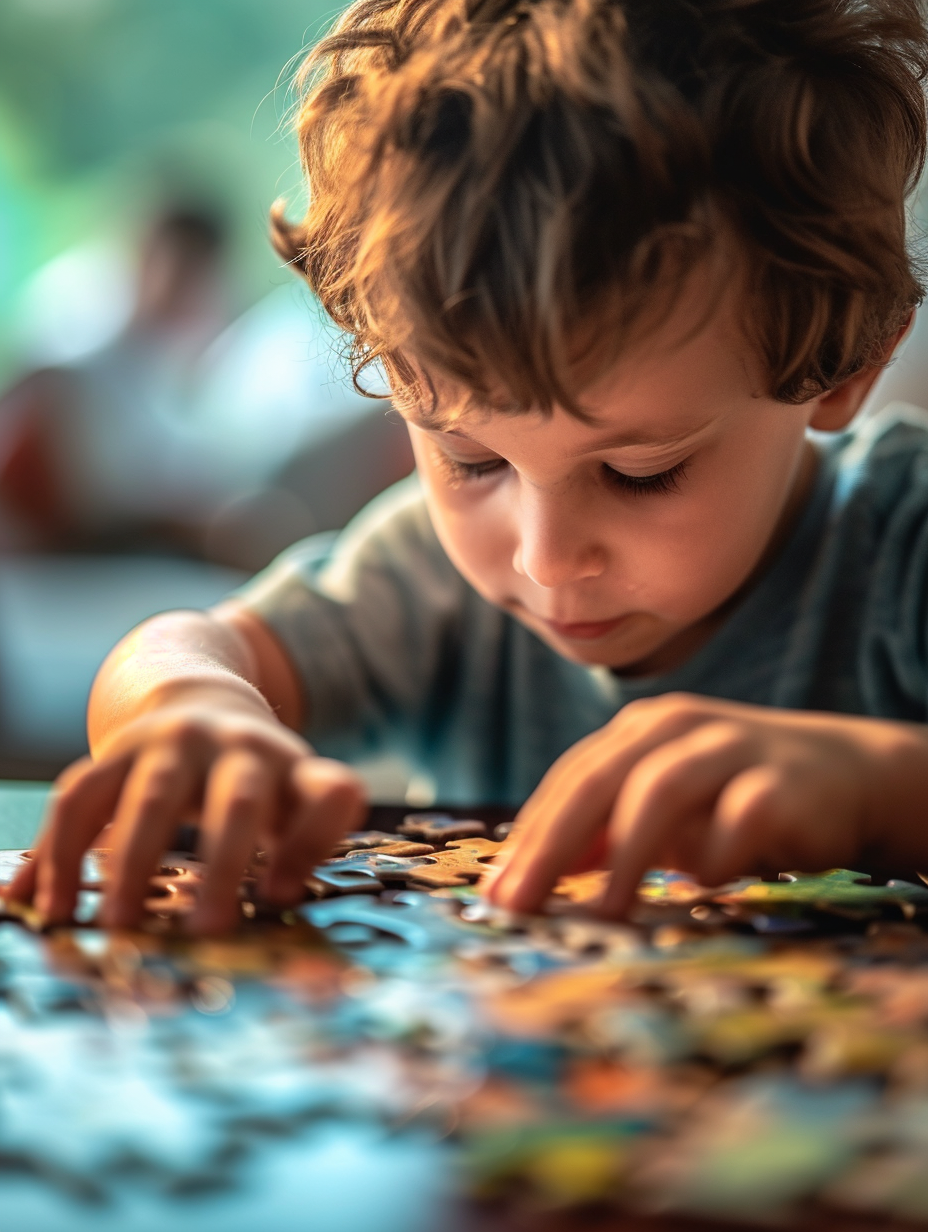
[(440, 827), (325, 882), (400, 848), (378, 840), (582, 889), (666, 886), (173, 889), (462, 861), (365, 871), (839, 891), (423, 922)]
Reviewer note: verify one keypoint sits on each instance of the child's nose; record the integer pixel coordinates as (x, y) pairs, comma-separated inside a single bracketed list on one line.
[(557, 542)]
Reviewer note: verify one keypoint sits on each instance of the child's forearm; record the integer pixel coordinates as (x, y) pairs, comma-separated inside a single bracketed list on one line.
[(178, 656)]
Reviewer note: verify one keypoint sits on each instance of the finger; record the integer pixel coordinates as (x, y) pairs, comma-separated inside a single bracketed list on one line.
[(555, 827), (330, 801), (241, 794), (156, 791), (766, 821), (574, 800), (666, 789), (594, 856), (82, 803), (22, 887), (685, 846)]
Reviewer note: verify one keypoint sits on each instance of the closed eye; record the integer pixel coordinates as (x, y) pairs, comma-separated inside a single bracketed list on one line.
[(637, 485), (646, 485), (455, 470)]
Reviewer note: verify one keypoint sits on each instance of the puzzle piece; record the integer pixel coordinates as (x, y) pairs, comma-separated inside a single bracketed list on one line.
[(400, 848), (379, 840), (839, 890), (93, 878), (360, 840), (364, 871), (667, 886), (562, 1164), (462, 861), (325, 881), (439, 827), (580, 889), (423, 922), (173, 889)]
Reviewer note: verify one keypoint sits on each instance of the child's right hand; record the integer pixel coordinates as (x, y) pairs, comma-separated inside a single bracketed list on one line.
[(210, 745)]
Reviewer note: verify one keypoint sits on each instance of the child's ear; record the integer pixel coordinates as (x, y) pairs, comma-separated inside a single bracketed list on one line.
[(835, 409)]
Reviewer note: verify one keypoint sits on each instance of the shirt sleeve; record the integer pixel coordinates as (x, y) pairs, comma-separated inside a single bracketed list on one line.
[(370, 618), (894, 661)]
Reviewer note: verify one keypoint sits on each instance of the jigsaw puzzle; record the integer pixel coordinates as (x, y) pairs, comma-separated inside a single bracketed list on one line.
[(698, 1060)]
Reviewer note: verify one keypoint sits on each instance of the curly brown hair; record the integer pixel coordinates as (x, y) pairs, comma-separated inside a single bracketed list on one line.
[(491, 181)]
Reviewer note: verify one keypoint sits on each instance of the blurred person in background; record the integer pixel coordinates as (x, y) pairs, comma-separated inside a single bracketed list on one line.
[(176, 434), (95, 452)]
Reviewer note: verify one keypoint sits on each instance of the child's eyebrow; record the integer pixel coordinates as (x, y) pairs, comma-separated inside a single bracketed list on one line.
[(432, 422), (629, 438)]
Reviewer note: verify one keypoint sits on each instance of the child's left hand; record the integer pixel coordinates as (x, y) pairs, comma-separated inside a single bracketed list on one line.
[(718, 789)]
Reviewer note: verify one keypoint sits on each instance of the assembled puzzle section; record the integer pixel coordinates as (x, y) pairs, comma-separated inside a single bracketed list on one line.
[(749, 1053)]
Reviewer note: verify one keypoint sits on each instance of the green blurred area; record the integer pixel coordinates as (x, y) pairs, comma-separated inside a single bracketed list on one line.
[(109, 107)]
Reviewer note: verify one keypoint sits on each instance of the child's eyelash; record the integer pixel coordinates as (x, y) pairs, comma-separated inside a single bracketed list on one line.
[(457, 470), (637, 485), (641, 485)]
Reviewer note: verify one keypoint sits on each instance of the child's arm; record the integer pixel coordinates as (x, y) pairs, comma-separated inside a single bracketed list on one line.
[(719, 789), (193, 707)]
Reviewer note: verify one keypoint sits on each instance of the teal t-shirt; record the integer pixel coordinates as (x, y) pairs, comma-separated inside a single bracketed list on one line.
[(398, 654)]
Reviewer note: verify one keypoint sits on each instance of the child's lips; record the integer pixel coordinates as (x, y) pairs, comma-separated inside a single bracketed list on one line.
[(584, 630)]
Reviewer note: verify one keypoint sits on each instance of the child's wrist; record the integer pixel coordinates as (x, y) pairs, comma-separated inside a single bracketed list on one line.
[(220, 693), (220, 687)]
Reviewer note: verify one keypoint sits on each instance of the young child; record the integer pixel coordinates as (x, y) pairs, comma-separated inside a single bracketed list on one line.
[(616, 258)]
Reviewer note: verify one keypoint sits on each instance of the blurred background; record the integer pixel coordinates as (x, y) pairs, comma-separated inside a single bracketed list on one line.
[(174, 409)]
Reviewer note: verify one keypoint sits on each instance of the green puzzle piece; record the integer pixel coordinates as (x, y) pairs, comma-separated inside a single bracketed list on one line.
[(838, 890)]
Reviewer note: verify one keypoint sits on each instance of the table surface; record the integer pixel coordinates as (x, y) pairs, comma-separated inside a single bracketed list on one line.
[(307, 1184), (347, 1179)]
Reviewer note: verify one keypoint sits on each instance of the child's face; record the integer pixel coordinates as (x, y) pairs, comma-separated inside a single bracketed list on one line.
[(618, 542)]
